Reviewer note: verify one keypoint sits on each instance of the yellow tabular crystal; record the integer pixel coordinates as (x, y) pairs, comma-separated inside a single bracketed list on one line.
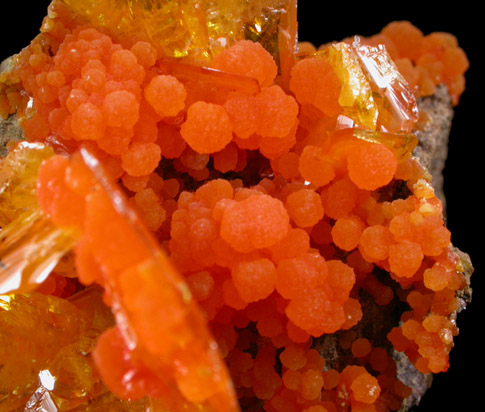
[(18, 177), (30, 244), (45, 343), (398, 110), (355, 93), (184, 28), (402, 144)]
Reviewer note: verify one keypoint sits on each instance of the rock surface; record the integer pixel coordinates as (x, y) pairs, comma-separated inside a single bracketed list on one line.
[(432, 149), (9, 130)]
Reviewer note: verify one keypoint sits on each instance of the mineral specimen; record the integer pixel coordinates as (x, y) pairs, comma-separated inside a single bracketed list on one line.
[(243, 220)]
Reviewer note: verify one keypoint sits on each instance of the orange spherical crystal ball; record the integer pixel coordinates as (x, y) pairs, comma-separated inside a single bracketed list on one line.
[(207, 128)]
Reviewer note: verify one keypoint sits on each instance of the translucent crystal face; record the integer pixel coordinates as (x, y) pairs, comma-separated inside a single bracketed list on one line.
[(49, 369), (398, 110), (30, 245), (355, 97), (195, 30), (18, 177), (373, 92)]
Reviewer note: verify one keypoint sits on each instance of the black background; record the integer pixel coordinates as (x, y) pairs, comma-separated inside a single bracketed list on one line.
[(461, 387)]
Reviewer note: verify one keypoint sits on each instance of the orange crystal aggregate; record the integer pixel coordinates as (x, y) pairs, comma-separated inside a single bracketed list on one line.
[(277, 198), (175, 359)]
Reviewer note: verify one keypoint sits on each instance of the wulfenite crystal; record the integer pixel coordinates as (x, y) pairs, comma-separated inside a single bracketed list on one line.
[(30, 245), (190, 29), (41, 362)]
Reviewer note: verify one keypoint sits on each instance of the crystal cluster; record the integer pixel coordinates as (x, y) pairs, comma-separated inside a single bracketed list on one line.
[(201, 206)]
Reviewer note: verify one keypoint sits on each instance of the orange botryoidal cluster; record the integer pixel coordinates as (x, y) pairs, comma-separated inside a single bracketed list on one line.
[(428, 60), (278, 217)]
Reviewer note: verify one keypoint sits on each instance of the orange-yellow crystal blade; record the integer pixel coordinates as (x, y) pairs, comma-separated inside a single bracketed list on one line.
[(30, 244), (156, 313)]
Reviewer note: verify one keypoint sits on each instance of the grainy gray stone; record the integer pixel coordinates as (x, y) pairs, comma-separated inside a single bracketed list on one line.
[(433, 135), (9, 130)]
